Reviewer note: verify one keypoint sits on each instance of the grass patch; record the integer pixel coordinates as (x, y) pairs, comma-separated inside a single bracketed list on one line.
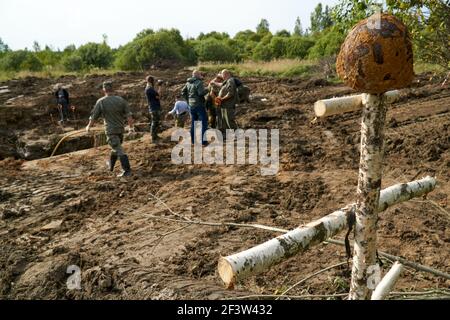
[(52, 74), (276, 68), (424, 67)]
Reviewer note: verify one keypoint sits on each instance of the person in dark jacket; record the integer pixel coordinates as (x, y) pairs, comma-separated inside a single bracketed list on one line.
[(154, 105), (194, 92), (62, 100)]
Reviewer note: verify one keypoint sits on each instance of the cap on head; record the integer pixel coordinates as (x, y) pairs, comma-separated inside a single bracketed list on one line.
[(107, 85)]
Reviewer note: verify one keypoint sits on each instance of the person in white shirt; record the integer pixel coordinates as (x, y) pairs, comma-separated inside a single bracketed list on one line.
[(180, 112)]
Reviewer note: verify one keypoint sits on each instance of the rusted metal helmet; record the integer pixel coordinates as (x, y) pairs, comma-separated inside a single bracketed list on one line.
[(377, 55)]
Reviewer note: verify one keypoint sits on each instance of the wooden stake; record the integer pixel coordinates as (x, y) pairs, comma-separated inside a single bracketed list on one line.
[(366, 271)]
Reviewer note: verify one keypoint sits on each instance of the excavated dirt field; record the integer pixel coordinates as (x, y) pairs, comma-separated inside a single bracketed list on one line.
[(68, 210)]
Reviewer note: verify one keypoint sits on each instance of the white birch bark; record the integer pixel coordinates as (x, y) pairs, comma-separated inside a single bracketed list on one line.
[(387, 284), (365, 273), (329, 107), (260, 258)]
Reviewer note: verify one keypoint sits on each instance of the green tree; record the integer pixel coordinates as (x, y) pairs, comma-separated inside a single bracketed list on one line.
[(283, 33), (321, 19), (96, 55), (72, 63), (263, 27), (143, 34), (36, 46), (31, 63), (212, 49), (3, 46), (277, 47), (429, 24), (349, 12), (162, 46), (297, 47), (316, 18), (298, 29), (262, 52), (69, 49), (215, 35), (328, 44), (20, 60)]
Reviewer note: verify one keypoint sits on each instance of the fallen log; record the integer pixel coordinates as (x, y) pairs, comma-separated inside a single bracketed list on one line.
[(260, 258), (387, 284)]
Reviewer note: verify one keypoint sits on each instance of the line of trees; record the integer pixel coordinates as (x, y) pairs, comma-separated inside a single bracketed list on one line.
[(427, 20)]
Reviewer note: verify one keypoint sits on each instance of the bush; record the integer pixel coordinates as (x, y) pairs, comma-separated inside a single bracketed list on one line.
[(72, 63), (328, 44), (297, 47), (153, 48), (96, 55), (20, 60), (278, 46), (212, 49), (31, 63), (262, 53)]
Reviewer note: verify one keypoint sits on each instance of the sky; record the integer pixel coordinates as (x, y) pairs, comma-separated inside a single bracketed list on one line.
[(59, 23)]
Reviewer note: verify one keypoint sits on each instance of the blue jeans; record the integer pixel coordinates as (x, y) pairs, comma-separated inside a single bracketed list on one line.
[(198, 113)]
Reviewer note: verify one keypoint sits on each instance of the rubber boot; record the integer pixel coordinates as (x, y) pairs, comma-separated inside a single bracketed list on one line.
[(112, 162), (124, 161)]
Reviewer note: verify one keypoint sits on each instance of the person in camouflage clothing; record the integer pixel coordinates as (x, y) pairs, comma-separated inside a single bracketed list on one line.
[(213, 89), (194, 92), (113, 109), (226, 102)]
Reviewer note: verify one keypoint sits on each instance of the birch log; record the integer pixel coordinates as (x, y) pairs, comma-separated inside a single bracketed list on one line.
[(366, 271), (329, 107), (260, 258), (387, 284)]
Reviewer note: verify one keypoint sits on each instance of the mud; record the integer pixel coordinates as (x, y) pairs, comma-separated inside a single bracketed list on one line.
[(68, 210)]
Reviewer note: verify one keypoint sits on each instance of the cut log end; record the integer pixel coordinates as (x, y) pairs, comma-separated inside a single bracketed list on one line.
[(226, 273), (320, 109)]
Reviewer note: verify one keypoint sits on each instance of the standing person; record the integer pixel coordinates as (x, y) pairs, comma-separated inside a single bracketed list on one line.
[(213, 88), (194, 92), (226, 101), (180, 112), (62, 100), (243, 91), (154, 105), (113, 109)]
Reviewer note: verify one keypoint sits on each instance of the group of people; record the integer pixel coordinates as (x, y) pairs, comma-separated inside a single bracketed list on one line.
[(214, 106)]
